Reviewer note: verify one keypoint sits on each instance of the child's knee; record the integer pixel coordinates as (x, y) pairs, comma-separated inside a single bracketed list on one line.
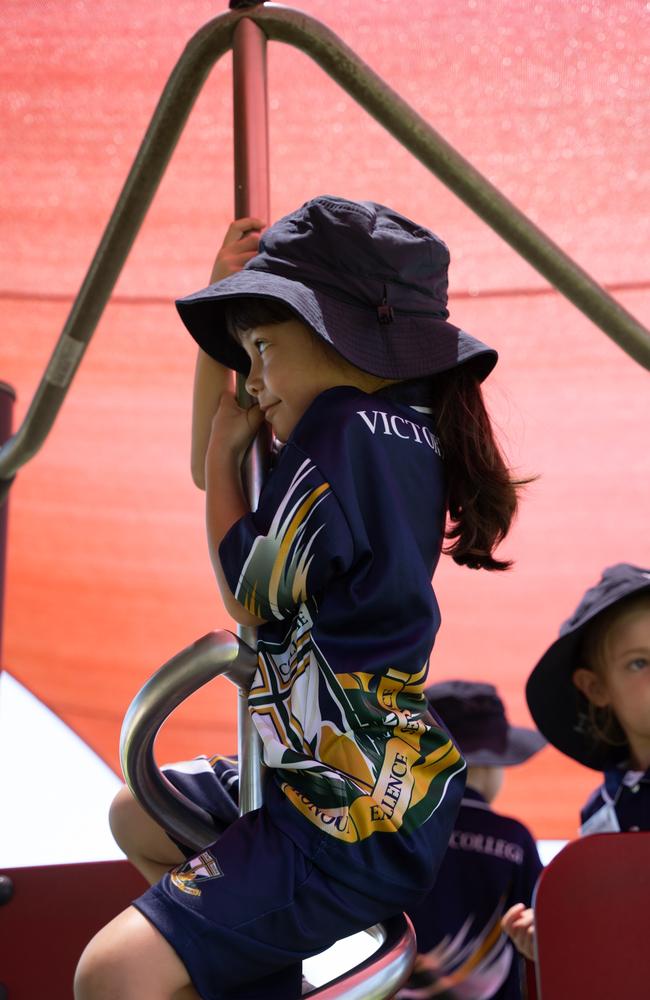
[(131, 960), (89, 976), (100, 972), (144, 842), (124, 816)]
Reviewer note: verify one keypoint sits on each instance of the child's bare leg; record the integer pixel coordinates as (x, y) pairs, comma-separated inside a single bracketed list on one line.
[(145, 844), (130, 960)]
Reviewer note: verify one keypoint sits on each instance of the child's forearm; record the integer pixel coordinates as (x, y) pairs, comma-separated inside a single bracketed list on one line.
[(210, 380), (225, 505)]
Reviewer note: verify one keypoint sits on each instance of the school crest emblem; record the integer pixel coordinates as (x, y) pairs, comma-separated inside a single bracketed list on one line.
[(189, 876)]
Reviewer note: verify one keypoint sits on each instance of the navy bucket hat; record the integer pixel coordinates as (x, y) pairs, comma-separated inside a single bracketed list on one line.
[(366, 279), (476, 718), (559, 709)]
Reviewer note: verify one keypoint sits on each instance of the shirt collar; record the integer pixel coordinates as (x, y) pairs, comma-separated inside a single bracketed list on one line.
[(473, 798), (623, 775), (413, 392)]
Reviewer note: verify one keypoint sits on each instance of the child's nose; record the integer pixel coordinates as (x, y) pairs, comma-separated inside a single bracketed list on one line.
[(254, 381)]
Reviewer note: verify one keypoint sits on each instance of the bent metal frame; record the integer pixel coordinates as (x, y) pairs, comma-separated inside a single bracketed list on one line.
[(245, 29)]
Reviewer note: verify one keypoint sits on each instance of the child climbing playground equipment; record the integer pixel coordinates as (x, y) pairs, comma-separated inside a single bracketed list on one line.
[(246, 29)]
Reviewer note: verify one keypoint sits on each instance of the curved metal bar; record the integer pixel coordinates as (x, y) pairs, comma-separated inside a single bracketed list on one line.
[(215, 654), (176, 101), (382, 973), (283, 24)]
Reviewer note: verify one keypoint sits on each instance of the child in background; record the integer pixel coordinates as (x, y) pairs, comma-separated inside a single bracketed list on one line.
[(590, 696), (339, 324), (492, 860)]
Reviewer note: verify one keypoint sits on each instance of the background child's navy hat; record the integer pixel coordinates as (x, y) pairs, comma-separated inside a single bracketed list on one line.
[(561, 711), (363, 277), (476, 718)]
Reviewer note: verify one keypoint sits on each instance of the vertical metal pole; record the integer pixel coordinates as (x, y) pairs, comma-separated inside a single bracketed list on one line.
[(251, 121), (251, 199), (7, 399)]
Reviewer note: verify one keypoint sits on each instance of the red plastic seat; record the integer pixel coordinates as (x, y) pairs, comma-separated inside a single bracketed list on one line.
[(592, 917), (51, 915)]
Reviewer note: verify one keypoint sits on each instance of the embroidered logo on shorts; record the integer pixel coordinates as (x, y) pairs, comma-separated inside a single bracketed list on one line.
[(188, 877)]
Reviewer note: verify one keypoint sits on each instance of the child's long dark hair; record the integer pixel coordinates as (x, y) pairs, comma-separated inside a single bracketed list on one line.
[(482, 494)]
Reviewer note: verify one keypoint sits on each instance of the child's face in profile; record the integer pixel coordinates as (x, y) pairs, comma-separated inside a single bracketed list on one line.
[(622, 681), (290, 366)]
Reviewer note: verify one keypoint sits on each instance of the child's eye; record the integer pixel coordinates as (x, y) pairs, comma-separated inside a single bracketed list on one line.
[(260, 345), (638, 663)]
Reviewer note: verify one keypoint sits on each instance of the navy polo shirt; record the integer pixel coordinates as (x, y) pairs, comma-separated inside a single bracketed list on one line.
[(628, 793), (492, 863), (338, 558)]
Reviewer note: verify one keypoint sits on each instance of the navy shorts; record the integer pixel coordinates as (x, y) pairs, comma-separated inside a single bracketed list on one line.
[(243, 914), (209, 782)]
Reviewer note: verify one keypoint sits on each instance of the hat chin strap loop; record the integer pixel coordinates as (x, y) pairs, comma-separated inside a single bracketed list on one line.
[(385, 312)]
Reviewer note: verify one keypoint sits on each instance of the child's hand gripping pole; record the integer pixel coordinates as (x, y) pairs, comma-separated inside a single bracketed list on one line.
[(210, 378)]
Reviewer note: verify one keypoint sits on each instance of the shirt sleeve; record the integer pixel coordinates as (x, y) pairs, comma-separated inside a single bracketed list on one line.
[(292, 545)]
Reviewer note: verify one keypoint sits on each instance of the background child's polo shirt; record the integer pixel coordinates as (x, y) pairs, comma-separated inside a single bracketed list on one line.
[(622, 803), (492, 863), (338, 557)]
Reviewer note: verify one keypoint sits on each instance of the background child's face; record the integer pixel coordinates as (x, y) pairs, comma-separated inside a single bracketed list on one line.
[(622, 682), (290, 367)]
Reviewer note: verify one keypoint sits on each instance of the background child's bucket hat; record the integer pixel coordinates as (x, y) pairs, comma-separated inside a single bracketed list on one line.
[(560, 711), (363, 277), (476, 718)]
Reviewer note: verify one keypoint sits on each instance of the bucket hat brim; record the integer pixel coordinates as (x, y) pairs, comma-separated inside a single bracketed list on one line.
[(413, 345), (475, 716), (559, 709), (521, 744)]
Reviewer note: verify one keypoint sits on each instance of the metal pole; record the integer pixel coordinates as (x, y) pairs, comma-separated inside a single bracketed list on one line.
[(250, 121), (7, 399), (251, 133)]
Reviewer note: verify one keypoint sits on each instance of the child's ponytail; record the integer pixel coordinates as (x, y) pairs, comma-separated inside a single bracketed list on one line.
[(482, 495)]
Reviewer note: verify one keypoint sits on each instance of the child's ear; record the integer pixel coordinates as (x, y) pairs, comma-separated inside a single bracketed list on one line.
[(591, 686)]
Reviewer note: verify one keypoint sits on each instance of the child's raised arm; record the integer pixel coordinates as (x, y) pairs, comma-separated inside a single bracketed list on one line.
[(233, 429), (210, 378)]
